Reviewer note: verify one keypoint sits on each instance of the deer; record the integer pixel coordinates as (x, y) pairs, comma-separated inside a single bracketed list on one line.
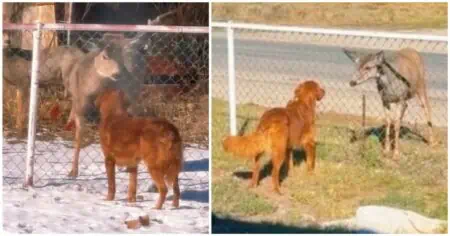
[(87, 78), (398, 78), (16, 72), (54, 64)]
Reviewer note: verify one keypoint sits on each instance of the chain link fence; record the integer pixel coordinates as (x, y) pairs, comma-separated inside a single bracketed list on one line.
[(271, 61), (171, 68)]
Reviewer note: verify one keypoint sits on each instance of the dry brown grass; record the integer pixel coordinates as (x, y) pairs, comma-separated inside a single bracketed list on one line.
[(47, 98), (9, 105), (359, 15), (188, 111)]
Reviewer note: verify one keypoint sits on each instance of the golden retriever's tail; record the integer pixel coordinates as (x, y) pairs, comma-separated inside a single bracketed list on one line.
[(247, 146)]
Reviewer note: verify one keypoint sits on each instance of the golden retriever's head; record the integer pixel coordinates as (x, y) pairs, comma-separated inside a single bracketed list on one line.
[(111, 100), (309, 91)]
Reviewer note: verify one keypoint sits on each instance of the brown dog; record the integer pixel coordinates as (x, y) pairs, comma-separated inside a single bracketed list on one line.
[(280, 130), (126, 141)]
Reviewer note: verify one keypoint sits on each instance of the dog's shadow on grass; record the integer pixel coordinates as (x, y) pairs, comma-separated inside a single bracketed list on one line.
[(229, 225), (298, 156)]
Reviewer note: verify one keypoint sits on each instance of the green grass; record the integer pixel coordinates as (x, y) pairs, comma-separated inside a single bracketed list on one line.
[(347, 175), (240, 201), (364, 15)]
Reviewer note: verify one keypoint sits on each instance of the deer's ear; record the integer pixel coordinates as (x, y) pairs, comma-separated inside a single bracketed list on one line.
[(379, 57), (352, 55), (104, 54)]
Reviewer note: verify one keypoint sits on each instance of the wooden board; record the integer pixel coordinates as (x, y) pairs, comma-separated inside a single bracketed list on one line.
[(44, 13)]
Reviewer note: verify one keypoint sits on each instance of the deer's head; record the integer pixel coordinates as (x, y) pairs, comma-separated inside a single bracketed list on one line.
[(368, 66)]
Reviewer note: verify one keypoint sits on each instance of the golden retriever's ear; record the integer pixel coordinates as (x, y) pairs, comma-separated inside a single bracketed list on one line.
[(123, 99), (98, 99), (298, 91), (320, 93), (304, 93), (122, 95)]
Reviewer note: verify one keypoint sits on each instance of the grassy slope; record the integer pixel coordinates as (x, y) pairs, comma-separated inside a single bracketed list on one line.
[(364, 15), (347, 176)]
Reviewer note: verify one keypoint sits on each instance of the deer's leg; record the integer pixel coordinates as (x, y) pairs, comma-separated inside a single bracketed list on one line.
[(20, 120), (70, 120), (402, 107), (66, 91), (387, 135), (426, 106), (79, 125)]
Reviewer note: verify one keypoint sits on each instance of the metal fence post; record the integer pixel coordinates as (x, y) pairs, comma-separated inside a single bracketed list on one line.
[(231, 79), (70, 22), (34, 96)]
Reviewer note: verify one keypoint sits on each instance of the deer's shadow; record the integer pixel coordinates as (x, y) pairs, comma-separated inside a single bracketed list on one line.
[(380, 133)]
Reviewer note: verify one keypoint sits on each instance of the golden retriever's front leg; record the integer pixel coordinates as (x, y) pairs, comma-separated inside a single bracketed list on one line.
[(290, 157), (132, 184), (255, 174), (310, 149), (79, 122), (111, 174)]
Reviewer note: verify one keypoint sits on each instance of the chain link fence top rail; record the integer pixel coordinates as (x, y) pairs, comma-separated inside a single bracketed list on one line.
[(270, 61), (171, 64)]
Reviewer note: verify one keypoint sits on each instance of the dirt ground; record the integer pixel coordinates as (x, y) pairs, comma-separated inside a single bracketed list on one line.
[(346, 15)]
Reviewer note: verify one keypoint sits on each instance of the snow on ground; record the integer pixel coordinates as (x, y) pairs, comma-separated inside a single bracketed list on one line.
[(58, 204)]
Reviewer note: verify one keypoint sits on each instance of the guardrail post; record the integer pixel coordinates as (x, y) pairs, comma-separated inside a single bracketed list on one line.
[(34, 96), (231, 79)]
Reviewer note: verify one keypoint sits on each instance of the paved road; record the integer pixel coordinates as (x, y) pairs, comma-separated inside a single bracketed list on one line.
[(267, 71)]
